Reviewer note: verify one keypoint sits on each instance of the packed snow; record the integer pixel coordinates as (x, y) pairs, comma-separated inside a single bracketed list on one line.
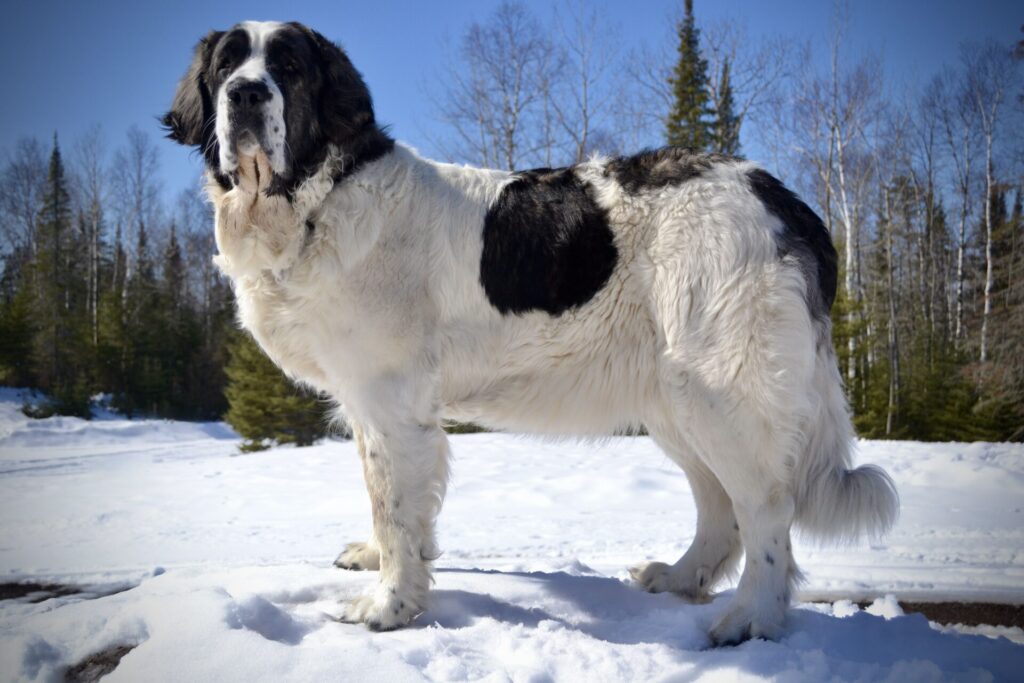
[(217, 566)]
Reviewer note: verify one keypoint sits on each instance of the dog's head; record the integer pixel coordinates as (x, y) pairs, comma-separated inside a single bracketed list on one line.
[(278, 90)]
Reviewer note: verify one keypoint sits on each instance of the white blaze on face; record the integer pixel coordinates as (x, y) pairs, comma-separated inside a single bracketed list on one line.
[(254, 68)]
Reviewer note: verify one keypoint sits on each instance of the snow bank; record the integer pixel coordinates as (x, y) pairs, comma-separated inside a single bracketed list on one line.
[(532, 585), (278, 623)]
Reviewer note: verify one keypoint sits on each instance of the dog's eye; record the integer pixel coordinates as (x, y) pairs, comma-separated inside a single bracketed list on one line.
[(290, 65), (229, 58)]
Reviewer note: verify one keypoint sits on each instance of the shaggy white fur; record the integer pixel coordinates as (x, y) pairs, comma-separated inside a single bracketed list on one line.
[(702, 334)]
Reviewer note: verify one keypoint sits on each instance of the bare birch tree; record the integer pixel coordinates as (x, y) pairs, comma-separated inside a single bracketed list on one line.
[(134, 186), (924, 141), (494, 101), (989, 70), (892, 174), (21, 194), (947, 96), (646, 93), (829, 126), (757, 68), (90, 172), (584, 95)]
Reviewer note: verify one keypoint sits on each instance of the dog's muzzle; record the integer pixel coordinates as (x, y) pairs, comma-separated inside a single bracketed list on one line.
[(246, 101)]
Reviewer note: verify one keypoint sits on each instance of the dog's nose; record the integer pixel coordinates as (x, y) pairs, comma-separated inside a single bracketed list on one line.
[(247, 95)]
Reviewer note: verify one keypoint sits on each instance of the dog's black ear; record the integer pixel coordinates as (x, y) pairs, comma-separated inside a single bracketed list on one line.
[(346, 109), (192, 102)]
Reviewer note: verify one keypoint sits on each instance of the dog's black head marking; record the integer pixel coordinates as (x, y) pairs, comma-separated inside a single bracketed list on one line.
[(190, 118), (282, 88)]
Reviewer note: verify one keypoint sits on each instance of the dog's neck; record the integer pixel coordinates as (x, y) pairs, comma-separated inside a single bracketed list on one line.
[(254, 180), (265, 233), (310, 194)]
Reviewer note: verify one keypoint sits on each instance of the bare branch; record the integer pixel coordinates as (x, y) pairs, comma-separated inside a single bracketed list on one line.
[(21, 191)]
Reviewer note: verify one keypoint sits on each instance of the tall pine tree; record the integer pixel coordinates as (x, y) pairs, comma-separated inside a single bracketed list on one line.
[(146, 389), (178, 343), (56, 320), (113, 333), (690, 120), (726, 130)]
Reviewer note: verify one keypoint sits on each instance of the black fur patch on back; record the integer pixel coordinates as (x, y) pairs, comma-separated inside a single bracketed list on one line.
[(547, 244), (654, 168), (804, 237)]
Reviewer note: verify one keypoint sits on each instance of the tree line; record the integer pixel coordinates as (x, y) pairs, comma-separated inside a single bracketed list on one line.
[(105, 291), (107, 288)]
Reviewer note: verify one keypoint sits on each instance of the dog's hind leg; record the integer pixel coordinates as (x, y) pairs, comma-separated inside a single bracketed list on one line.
[(769, 574), (750, 454), (406, 469), (715, 550)]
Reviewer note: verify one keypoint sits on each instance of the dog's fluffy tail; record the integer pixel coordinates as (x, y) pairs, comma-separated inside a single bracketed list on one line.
[(833, 501)]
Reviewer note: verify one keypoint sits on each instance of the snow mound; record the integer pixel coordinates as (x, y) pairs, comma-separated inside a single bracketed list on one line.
[(106, 429), (279, 623)]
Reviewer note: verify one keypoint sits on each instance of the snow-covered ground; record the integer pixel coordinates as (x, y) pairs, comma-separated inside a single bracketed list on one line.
[(228, 560)]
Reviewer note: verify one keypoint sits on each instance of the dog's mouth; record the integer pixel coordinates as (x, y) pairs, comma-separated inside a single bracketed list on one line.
[(252, 161), (247, 144), (254, 172)]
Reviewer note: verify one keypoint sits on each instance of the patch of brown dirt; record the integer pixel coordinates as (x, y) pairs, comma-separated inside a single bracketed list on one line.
[(96, 666), (967, 613)]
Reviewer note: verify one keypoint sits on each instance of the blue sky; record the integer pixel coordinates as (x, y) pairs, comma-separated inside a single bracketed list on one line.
[(68, 65)]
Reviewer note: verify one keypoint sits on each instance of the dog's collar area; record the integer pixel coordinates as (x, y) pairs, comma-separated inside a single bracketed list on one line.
[(376, 147), (309, 237), (278, 187), (223, 180)]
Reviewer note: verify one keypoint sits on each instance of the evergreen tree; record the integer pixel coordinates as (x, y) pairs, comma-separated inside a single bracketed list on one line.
[(112, 353), (216, 323), (56, 322), (52, 226), (689, 122), (146, 385), (265, 407), (16, 320), (174, 277), (845, 325), (181, 343), (176, 343), (726, 132)]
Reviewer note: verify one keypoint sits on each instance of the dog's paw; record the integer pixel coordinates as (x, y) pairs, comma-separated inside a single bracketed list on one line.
[(653, 577), (658, 577), (741, 623), (381, 614), (358, 556)]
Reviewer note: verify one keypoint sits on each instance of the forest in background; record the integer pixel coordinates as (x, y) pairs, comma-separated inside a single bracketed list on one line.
[(108, 287)]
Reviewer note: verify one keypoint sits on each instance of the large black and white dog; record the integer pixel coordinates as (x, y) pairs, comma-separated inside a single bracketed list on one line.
[(688, 293)]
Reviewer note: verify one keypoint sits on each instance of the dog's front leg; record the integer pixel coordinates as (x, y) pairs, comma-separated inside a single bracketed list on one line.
[(359, 555), (406, 468)]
